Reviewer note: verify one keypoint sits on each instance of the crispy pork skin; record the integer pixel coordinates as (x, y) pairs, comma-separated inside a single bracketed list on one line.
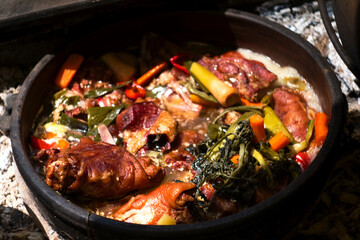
[(168, 199), (292, 111), (100, 170)]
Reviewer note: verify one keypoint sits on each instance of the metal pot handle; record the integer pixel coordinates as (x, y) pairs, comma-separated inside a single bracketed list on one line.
[(335, 40)]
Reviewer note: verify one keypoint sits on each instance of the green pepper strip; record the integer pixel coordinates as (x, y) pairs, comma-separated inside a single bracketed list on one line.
[(267, 151), (201, 94), (101, 115), (102, 91), (60, 93), (73, 123), (274, 125)]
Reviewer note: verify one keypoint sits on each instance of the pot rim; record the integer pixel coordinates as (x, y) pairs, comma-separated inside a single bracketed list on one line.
[(81, 218)]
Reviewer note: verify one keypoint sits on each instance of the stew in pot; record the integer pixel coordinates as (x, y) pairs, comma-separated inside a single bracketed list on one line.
[(172, 137)]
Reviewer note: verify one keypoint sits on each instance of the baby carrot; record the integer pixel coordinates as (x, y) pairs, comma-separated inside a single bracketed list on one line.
[(321, 127), (279, 141), (144, 79), (248, 103), (257, 126), (68, 70)]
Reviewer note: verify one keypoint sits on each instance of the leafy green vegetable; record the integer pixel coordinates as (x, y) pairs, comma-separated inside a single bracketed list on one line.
[(214, 165), (105, 115), (203, 95), (73, 123), (102, 91), (267, 151), (66, 97), (101, 115), (216, 131), (257, 166), (60, 93)]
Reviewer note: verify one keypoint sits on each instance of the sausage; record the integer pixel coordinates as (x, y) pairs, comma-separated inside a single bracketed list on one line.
[(290, 108)]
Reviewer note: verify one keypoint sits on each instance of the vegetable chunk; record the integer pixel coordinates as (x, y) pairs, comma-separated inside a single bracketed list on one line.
[(68, 70)]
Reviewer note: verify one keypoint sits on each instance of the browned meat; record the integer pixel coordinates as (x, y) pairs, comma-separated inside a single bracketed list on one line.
[(145, 123), (138, 116), (249, 77), (168, 199), (75, 112), (231, 117), (179, 158), (100, 170), (292, 111), (219, 207), (44, 154), (188, 137), (182, 110)]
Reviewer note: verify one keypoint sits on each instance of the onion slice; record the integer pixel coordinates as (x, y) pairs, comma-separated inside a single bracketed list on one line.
[(105, 134)]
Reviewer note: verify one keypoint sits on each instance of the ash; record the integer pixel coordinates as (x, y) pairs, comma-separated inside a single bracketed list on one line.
[(337, 211)]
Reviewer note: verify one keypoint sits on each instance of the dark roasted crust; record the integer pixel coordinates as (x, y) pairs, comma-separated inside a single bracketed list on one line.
[(100, 170)]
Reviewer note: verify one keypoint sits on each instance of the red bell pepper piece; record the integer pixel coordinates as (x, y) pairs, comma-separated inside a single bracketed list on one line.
[(177, 61), (41, 144), (135, 91), (38, 143), (303, 159)]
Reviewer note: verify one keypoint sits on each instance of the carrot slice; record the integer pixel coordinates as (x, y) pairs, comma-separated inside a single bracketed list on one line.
[(144, 79), (279, 141), (63, 144), (248, 103), (321, 127), (257, 126), (68, 70), (235, 159)]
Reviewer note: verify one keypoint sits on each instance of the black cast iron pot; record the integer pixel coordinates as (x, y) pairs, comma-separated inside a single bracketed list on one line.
[(347, 17), (270, 219)]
